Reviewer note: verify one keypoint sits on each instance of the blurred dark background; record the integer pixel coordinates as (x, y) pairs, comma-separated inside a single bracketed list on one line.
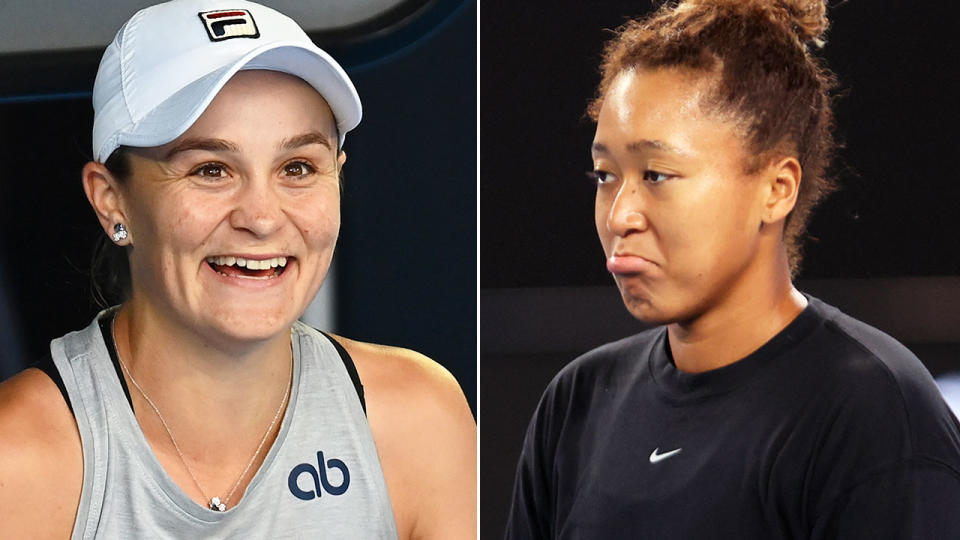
[(406, 260), (884, 249)]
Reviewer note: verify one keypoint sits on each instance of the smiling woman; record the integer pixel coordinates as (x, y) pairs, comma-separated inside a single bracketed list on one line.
[(216, 176), (255, 178)]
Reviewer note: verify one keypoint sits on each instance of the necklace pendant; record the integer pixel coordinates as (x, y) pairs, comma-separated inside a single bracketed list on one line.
[(217, 506)]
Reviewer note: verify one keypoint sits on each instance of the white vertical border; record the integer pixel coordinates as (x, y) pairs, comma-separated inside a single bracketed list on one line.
[(477, 187)]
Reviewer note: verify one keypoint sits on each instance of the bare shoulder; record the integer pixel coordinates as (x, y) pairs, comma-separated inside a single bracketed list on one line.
[(41, 460), (410, 390), (426, 437), (393, 370)]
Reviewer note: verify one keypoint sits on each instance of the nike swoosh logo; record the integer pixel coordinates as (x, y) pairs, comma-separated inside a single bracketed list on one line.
[(655, 457)]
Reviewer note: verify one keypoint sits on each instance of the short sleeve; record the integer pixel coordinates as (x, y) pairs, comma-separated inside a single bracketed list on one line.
[(530, 509), (919, 499), (533, 509)]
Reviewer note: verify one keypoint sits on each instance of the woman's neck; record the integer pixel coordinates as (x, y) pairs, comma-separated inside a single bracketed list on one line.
[(212, 414), (187, 374), (758, 306)]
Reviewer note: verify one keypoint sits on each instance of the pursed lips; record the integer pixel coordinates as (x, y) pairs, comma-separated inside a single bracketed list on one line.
[(628, 263)]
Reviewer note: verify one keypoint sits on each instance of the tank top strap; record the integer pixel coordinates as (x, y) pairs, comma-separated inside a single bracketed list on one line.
[(82, 361), (350, 367)]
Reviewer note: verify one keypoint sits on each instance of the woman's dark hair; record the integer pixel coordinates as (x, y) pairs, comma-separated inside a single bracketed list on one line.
[(759, 55), (109, 267)]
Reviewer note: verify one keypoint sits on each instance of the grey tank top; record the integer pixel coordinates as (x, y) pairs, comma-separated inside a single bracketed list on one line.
[(320, 479)]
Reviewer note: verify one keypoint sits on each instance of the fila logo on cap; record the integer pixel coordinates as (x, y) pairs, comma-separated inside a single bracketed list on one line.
[(229, 23)]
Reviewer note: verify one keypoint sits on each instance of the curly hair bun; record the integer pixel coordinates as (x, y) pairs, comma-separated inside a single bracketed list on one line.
[(809, 18), (806, 18)]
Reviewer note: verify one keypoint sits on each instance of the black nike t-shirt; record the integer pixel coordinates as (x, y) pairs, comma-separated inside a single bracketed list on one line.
[(832, 429)]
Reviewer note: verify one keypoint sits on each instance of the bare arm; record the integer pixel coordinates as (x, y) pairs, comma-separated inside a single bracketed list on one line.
[(41, 461), (426, 438)]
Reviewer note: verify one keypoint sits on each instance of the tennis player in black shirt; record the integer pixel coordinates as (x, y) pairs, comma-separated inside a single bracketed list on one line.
[(753, 410)]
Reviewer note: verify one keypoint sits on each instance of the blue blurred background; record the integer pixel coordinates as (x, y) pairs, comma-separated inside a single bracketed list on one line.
[(406, 260)]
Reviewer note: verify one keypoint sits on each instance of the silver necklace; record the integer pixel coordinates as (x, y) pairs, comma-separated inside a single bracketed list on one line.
[(214, 503)]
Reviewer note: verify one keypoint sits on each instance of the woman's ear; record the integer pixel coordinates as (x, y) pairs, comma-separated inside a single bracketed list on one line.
[(784, 187), (103, 192)]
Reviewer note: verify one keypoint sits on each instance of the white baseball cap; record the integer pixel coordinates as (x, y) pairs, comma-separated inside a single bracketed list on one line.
[(169, 61)]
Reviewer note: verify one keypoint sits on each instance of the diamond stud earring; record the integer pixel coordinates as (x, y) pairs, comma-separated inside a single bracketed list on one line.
[(119, 232)]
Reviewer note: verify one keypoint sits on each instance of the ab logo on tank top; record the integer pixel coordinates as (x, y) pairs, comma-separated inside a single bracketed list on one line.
[(321, 482)]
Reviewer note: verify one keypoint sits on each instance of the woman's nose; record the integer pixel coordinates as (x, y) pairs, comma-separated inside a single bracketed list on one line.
[(258, 209), (628, 211)]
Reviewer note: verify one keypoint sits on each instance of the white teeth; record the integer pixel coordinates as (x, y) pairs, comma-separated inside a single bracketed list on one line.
[(251, 264)]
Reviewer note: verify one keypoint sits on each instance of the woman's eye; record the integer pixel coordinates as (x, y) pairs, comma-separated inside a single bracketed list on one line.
[(601, 177), (210, 170), (297, 168), (655, 177)]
